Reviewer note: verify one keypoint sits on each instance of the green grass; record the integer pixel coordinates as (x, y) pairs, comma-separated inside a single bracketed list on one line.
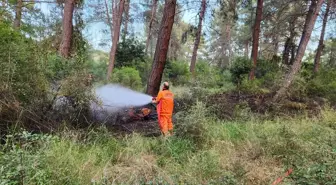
[(204, 150)]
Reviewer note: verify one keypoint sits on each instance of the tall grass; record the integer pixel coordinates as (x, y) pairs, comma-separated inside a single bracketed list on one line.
[(202, 151)]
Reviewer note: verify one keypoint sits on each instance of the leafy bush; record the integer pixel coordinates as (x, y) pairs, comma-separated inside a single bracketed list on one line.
[(323, 85), (130, 53), (21, 69), (128, 77), (74, 99), (208, 76), (144, 69), (240, 70), (177, 72), (192, 125)]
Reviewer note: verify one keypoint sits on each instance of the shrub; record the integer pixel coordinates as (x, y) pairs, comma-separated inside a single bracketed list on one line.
[(130, 53), (75, 96), (177, 72), (323, 85), (128, 77), (21, 70), (193, 125), (240, 70), (208, 76)]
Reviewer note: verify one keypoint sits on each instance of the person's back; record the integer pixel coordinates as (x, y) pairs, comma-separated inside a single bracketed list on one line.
[(166, 100), (165, 107)]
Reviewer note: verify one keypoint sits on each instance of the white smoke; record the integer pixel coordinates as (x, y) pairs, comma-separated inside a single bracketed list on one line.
[(113, 98)]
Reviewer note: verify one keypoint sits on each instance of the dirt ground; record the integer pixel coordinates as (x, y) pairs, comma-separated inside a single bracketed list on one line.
[(149, 128), (226, 105)]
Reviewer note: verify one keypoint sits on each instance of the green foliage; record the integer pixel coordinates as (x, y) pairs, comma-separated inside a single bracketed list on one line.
[(21, 161), (323, 84), (22, 72), (128, 77), (130, 53), (98, 69), (144, 69), (58, 68), (265, 67), (240, 70), (177, 72), (192, 125), (202, 150), (218, 77)]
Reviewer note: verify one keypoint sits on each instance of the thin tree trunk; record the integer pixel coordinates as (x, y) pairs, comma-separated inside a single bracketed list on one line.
[(311, 17), (64, 49), (18, 14), (285, 55), (127, 7), (321, 44), (276, 45), (198, 36), (228, 42), (246, 48), (153, 15), (293, 53), (256, 32), (290, 43), (117, 18), (3, 11), (160, 56)]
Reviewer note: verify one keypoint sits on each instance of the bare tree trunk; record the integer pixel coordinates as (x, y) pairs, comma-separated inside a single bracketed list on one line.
[(160, 56), (65, 46), (311, 17), (3, 10), (18, 14), (246, 48), (117, 12), (228, 42), (276, 44), (127, 8), (153, 15), (256, 32), (321, 44), (290, 43), (285, 55), (293, 53), (198, 36)]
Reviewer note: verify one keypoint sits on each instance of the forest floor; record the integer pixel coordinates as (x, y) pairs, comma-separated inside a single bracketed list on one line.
[(243, 147)]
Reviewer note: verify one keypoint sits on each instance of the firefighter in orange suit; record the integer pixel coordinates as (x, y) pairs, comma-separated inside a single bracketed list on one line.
[(165, 106)]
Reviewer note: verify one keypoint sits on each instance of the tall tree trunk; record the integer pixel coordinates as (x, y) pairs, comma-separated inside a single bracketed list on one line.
[(160, 56), (117, 18), (228, 42), (285, 55), (293, 53), (321, 45), (311, 17), (18, 14), (198, 36), (67, 30), (276, 44), (256, 32), (127, 8), (3, 10), (246, 48), (289, 48), (153, 15)]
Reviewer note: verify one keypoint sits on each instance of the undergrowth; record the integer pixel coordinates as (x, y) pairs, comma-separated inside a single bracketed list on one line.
[(202, 151)]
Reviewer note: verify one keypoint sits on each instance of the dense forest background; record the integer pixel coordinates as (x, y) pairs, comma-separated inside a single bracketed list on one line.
[(255, 86)]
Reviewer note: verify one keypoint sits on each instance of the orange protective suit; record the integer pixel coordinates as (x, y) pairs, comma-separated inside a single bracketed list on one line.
[(165, 108)]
